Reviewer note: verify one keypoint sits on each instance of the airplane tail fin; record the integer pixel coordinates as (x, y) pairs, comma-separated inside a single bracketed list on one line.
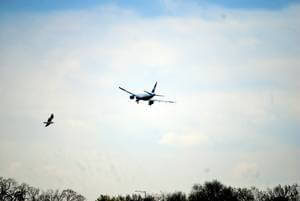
[(153, 90)]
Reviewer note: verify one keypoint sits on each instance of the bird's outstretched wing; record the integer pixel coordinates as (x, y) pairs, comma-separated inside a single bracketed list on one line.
[(50, 118), (162, 101), (127, 91)]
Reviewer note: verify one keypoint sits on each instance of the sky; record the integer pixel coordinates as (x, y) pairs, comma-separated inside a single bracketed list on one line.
[(231, 66)]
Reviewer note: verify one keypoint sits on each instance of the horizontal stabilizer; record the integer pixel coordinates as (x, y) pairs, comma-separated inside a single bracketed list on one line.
[(163, 101), (148, 93)]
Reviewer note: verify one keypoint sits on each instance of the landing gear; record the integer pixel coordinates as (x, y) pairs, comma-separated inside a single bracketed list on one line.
[(150, 102), (137, 101)]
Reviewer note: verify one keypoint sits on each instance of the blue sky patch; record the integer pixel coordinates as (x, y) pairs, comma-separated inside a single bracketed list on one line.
[(148, 8)]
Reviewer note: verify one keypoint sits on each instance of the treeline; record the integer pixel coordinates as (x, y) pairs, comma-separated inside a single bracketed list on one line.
[(10, 190), (216, 191)]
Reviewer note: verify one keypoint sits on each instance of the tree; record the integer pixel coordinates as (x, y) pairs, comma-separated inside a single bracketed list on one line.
[(20, 192), (136, 197), (283, 193), (33, 193), (259, 195), (70, 195), (7, 187), (244, 194), (10, 190), (149, 198), (212, 191), (104, 198), (177, 196)]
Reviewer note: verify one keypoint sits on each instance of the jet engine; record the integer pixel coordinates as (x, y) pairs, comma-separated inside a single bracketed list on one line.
[(131, 97), (150, 102)]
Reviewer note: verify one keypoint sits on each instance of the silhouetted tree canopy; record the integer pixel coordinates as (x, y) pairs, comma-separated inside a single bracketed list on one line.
[(214, 190), (10, 190), (283, 193), (244, 194), (177, 196)]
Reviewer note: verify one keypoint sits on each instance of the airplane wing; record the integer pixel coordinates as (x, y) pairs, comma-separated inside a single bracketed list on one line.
[(162, 101), (127, 91)]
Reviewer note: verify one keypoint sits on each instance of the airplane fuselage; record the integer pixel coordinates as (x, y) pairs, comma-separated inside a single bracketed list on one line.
[(143, 97)]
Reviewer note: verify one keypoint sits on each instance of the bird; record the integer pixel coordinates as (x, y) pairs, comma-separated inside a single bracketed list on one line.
[(49, 121)]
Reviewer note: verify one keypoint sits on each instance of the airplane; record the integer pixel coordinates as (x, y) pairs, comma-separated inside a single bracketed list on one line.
[(146, 96), (49, 121)]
